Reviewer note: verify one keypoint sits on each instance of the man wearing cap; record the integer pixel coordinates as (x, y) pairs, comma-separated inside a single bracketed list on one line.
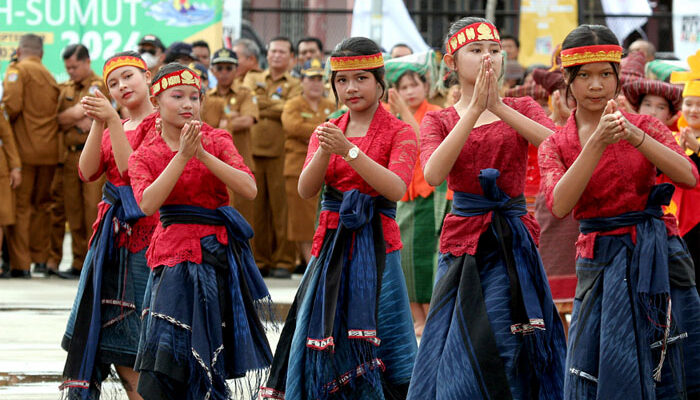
[(180, 52), (300, 117), (80, 198), (231, 107), (152, 51), (30, 98), (272, 88)]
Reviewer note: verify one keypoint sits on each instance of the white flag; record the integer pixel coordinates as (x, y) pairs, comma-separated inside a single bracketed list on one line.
[(397, 25), (622, 27)]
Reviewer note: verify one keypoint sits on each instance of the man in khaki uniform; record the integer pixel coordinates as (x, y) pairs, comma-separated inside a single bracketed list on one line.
[(80, 198), (57, 213), (248, 54), (30, 97), (272, 88), (231, 107)]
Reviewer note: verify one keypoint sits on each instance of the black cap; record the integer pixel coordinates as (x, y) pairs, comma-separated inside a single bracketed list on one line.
[(224, 56), (179, 49), (152, 40)]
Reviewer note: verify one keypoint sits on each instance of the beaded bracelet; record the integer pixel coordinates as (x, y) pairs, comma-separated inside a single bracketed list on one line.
[(640, 143)]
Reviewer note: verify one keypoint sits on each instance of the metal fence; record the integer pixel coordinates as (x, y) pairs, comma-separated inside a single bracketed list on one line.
[(331, 20)]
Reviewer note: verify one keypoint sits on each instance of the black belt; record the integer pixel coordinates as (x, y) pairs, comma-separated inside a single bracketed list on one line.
[(76, 147)]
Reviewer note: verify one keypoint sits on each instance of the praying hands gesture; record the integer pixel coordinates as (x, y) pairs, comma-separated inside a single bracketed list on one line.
[(331, 139), (190, 140)]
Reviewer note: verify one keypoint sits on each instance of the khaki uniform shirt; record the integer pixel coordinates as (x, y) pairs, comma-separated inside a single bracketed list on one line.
[(9, 156), (267, 134), (299, 121), (30, 97), (71, 93), (218, 107)]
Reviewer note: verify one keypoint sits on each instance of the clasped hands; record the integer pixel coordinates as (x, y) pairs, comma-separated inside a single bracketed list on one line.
[(332, 140), (613, 127), (485, 96)]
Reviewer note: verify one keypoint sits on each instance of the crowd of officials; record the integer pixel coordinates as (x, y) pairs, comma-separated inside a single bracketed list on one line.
[(44, 129)]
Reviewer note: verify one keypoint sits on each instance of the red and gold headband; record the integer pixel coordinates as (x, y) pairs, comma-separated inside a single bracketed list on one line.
[(177, 78), (591, 54), (354, 63), (473, 33), (123, 61)]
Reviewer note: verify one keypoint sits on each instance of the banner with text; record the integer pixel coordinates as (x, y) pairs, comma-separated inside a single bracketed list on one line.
[(105, 27), (686, 28), (543, 25)]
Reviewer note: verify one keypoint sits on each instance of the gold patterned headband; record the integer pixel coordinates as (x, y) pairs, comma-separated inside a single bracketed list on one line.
[(177, 78), (124, 61), (353, 63), (473, 33), (591, 54)]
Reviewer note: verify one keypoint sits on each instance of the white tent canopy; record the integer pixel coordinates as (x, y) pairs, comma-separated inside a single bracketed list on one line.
[(397, 25)]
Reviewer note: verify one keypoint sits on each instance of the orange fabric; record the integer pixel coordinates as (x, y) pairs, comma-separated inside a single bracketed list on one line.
[(684, 201), (418, 186)]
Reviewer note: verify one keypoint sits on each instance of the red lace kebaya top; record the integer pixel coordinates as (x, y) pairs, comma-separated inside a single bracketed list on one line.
[(197, 186), (621, 181), (532, 176), (392, 144), (495, 145), (140, 236)]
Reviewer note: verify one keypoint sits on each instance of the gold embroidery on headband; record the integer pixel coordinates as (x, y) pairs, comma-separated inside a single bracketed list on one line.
[(485, 32), (590, 57)]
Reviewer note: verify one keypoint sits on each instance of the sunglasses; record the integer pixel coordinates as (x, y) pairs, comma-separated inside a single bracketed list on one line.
[(150, 51), (220, 68)]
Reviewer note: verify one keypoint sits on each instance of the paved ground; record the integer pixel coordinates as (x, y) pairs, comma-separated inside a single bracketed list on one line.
[(33, 315)]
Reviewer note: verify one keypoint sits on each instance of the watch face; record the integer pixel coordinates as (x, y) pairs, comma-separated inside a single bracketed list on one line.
[(354, 152)]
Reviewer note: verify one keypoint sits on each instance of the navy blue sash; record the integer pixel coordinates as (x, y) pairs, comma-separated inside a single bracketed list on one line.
[(360, 239), (243, 275), (651, 251), (532, 307), (124, 211)]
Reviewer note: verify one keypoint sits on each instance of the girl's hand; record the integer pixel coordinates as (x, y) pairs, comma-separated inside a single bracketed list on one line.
[(479, 100), (560, 111), (494, 98), (625, 105), (190, 139), (396, 103), (15, 178), (98, 107), (611, 127), (631, 133), (332, 139), (688, 140)]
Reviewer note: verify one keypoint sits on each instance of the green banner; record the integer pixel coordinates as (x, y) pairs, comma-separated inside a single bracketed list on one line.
[(105, 27)]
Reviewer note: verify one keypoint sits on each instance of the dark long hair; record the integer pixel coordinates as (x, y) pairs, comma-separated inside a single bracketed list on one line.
[(589, 35), (358, 46)]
